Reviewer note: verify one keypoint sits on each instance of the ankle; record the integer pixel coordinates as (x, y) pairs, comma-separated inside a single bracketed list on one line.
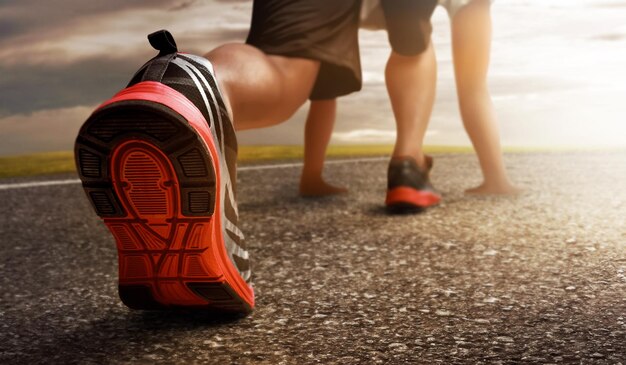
[(423, 161)]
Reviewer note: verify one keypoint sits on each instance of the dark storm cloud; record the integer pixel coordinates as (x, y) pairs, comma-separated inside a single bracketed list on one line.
[(182, 5), (59, 58), (9, 27), (50, 78), (23, 17), (29, 88)]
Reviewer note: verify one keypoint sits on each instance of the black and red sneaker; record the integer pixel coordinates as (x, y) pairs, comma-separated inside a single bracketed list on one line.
[(158, 163), (408, 186)]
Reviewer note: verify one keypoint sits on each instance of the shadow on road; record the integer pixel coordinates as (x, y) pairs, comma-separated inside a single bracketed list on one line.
[(106, 339)]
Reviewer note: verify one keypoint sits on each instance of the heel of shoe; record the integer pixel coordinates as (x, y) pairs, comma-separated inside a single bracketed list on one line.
[(151, 177), (406, 198)]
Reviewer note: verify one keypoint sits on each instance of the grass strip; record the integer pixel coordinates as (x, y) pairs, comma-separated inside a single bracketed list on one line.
[(63, 162)]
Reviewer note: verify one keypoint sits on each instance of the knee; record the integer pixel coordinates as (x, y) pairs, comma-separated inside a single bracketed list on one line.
[(423, 59), (469, 87), (471, 98)]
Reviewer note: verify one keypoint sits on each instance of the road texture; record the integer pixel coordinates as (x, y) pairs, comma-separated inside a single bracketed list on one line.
[(539, 278)]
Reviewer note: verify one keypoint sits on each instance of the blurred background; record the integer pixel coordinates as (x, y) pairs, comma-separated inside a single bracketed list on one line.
[(558, 74)]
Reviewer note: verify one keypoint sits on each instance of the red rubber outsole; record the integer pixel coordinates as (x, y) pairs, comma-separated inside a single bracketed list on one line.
[(408, 197), (164, 196)]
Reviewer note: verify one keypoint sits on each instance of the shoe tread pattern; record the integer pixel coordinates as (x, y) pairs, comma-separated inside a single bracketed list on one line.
[(162, 255)]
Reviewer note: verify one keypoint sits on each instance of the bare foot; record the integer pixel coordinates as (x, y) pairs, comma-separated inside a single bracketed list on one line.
[(319, 188), (494, 189)]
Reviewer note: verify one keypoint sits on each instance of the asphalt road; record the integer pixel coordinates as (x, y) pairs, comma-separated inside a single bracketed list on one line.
[(539, 278)]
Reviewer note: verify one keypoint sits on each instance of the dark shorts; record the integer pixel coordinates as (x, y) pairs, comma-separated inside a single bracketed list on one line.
[(408, 24), (323, 30)]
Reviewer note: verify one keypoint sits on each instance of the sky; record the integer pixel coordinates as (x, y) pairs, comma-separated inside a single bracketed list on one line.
[(557, 75)]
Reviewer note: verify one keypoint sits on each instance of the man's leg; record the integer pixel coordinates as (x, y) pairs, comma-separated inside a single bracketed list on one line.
[(261, 90), (471, 42), (317, 133), (411, 83)]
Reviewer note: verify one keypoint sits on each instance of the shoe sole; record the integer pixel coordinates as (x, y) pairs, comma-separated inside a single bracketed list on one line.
[(150, 167), (405, 198)]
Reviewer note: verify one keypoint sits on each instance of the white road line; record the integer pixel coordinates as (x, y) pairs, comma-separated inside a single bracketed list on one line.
[(299, 164), (35, 184)]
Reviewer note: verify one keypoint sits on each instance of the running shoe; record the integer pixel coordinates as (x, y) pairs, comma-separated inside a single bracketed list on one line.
[(158, 163), (408, 186)]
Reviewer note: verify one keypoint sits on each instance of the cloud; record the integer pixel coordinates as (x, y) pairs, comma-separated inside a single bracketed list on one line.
[(365, 135), (370, 136), (28, 89), (81, 52), (49, 130), (122, 32), (182, 5), (31, 16), (618, 4), (609, 37)]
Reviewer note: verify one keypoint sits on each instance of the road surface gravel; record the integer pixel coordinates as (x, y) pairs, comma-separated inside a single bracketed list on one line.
[(539, 278)]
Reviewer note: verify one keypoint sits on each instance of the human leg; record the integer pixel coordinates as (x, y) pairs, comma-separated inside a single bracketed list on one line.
[(295, 49), (169, 195), (172, 149), (411, 72), (411, 84), (471, 42), (262, 90), (410, 77), (317, 133)]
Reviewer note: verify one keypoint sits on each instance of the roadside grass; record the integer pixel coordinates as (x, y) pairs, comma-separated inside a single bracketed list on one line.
[(63, 162), (37, 164)]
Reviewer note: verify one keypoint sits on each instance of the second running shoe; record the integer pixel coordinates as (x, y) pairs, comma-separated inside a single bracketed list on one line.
[(408, 186), (157, 162)]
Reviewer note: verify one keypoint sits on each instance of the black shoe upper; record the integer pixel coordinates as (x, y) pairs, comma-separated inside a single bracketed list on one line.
[(174, 70), (405, 172), (193, 76)]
